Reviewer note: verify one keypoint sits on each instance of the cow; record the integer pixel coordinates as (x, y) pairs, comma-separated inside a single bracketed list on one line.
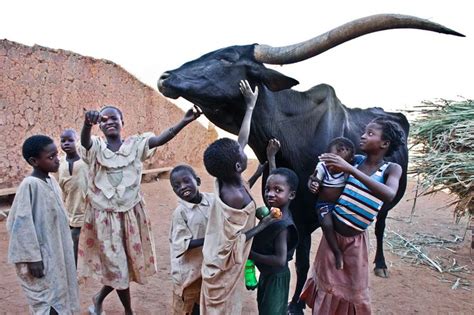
[(304, 122)]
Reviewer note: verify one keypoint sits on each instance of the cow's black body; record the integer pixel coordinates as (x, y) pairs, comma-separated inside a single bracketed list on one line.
[(304, 122)]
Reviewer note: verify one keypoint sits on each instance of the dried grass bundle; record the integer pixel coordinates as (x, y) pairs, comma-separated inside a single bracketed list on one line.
[(443, 150)]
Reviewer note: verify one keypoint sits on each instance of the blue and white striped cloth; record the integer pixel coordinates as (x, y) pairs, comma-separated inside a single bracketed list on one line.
[(356, 206)]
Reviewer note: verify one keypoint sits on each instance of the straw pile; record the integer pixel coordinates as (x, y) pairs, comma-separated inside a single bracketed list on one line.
[(415, 251), (443, 150)]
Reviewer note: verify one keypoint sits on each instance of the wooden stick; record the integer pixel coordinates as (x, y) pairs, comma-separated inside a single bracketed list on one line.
[(432, 262), (414, 200)]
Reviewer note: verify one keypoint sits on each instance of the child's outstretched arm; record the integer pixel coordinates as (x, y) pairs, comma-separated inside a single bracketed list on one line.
[(91, 118), (273, 147), (250, 100), (266, 221), (257, 174), (191, 115), (386, 192), (279, 259)]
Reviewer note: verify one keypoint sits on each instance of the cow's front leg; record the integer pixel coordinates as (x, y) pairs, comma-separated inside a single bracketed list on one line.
[(380, 269), (302, 266)]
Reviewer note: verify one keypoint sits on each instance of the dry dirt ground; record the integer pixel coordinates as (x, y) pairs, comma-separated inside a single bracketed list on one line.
[(412, 287)]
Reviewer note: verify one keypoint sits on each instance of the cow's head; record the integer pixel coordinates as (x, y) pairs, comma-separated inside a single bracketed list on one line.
[(215, 76), (212, 81)]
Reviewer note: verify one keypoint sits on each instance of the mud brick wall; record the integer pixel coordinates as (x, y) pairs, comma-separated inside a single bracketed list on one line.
[(44, 91)]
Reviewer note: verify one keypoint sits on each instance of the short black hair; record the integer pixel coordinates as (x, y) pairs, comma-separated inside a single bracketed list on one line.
[(183, 167), (344, 142), (290, 175), (221, 156), (69, 130), (112, 107), (33, 146), (392, 132)]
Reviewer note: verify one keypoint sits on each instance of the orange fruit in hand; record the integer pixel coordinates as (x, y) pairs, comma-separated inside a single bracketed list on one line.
[(276, 213)]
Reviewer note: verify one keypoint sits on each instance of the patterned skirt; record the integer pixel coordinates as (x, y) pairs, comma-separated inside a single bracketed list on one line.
[(117, 247)]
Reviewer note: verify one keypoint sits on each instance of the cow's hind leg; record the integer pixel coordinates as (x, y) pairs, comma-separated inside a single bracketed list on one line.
[(302, 266), (380, 269)]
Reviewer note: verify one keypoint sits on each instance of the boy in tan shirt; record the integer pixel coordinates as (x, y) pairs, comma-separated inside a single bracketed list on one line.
[(72, 175), (188, 228)]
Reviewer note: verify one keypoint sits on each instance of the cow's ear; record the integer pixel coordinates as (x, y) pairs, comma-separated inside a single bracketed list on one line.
[(274, 80)]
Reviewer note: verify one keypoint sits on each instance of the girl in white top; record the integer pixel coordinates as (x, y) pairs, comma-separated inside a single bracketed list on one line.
[(116, 244)]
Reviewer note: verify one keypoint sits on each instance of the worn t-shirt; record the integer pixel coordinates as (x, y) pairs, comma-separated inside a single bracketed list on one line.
[(189, 222), (74, 189), (225, 253), (39, 231)]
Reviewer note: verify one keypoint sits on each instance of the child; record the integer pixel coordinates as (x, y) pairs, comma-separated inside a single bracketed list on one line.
[(372, 182), (231, 220), (73, 182), (328, 184), (40, 241), (274, 246), (116, 244), (188, 228)]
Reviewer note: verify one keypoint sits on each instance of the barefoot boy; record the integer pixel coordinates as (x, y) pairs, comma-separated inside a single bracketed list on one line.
[(40, 241), (73, 182), (188, 227), (231, 220)]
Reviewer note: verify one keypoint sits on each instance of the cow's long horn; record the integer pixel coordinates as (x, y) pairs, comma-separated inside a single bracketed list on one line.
[(317, 45)]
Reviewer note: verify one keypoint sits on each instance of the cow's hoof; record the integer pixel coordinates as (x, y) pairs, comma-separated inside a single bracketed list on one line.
[(381, 272), (92, 311), (296, 308)]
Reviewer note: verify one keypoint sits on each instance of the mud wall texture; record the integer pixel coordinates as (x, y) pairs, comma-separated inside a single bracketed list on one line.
[(44, 91)]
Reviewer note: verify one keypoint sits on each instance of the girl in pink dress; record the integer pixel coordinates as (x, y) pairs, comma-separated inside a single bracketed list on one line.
[(372, 182)]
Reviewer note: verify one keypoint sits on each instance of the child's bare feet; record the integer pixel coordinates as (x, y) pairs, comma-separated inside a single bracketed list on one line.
[(339, 261)]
